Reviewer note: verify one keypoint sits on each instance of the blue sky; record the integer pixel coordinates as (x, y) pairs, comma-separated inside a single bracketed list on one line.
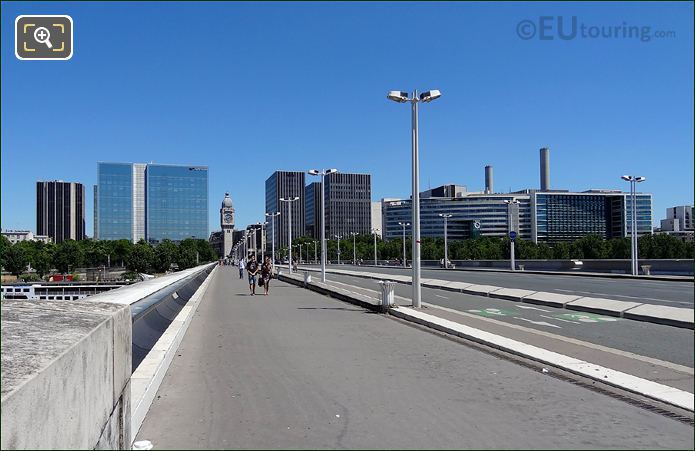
[(250, 88)]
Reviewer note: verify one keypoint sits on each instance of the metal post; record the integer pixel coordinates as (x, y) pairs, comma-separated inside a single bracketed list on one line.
[(338, 237), (272, 219), (289, 259), (405, 260), (633, 189), (323, 228), (511, 253), (375, 261), (316, 246), (446, 248), (417, 290), (354, 250)]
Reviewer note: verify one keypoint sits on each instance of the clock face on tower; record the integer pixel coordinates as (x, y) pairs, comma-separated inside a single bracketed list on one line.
[(227, 217)]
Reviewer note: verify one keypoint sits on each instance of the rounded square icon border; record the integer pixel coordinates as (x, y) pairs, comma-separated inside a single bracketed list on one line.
[(72, 36)]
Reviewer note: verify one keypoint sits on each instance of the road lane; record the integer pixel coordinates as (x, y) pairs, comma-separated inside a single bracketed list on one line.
[(300, 370), (662, 292)]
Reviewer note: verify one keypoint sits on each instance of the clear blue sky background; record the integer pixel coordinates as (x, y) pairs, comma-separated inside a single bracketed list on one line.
[(250, 88)]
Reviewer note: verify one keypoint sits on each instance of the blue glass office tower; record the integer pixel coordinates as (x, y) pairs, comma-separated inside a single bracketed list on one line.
[(114, 206), (176, 202), (151, 201)]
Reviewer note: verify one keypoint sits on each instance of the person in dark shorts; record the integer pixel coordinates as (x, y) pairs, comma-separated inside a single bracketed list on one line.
[(252, 270), (266, 274)]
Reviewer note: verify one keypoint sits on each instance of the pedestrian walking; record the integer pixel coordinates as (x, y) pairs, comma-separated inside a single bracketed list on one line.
[(242, 265), (266, 274), (252, 270)]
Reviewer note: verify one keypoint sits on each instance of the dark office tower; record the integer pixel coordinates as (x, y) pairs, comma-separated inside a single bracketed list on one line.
[(348, 204), (60, 210), (545, 169), (312, 206), (287, 185)]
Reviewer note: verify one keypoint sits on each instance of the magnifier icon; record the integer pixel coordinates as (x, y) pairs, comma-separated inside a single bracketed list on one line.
[(42, 36)]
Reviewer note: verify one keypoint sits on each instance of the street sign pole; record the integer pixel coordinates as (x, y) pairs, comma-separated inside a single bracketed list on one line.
[(512, 237)]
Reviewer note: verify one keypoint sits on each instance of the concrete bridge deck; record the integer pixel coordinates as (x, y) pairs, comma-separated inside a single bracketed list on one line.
[(299, 370)]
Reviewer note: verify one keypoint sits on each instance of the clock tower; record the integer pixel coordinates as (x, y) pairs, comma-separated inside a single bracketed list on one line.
[(227, 223)]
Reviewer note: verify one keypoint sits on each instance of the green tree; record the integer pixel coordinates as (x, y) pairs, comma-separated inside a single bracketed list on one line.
[(186, 255), (141, 258), (164, 255), (120, 251), (16, 260), (4, 247), (67, 254), (41, 261), (561, 251)]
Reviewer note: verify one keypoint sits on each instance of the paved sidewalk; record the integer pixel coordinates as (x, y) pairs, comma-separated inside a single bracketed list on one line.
[(300, 370)]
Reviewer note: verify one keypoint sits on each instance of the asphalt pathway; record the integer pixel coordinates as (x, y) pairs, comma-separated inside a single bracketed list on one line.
[(297, 370)]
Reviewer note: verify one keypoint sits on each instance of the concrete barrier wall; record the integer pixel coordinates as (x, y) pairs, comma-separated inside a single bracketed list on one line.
[(65, 375), (66, 368), (658, 266)]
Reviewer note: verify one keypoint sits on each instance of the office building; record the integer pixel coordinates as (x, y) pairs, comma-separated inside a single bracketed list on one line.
[(287, 185), (348, 204), (542, 216), (151, 201), (312, 210), (15, 236), (548, 216), (679, 218), (60, 210), (377, 218)]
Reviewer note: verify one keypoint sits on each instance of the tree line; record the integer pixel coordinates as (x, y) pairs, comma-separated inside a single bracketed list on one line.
[(491, 248), (69, 255)]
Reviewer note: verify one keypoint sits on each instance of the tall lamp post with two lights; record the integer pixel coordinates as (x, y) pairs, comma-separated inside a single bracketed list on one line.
[(402, 97)]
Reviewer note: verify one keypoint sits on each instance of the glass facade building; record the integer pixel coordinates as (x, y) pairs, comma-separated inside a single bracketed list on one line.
[(176, 203), (114, 201), (312, 209), (473, 215), (548, 216), (348, 200), (151, 202), (285, 184)]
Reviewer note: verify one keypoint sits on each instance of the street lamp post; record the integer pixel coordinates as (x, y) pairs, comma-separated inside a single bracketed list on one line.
[(338, 237), (323, 175), (374, 233), (512, 232), (289, 201), (272, 223), (404, 225), (354, 249), (446, 217), (401, 97), (634, 180)]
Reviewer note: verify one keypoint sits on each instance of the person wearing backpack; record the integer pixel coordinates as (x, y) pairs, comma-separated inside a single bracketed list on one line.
[(252, 269), (266, 274)]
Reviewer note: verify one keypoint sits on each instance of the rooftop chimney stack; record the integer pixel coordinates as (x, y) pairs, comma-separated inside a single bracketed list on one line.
[(488, 180), (545, 169)]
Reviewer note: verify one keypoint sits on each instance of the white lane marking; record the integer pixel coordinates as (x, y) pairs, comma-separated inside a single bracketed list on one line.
[(533, 308), (624, 296), (560, 319), (540, 323), (440, 296), (630, 355)]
